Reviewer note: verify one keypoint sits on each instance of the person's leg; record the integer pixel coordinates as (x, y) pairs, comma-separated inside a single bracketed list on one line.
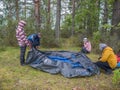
[(22, 55), (83, 50), (105, 66)]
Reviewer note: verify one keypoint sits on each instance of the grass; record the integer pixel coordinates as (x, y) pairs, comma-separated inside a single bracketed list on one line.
[(16, 77)]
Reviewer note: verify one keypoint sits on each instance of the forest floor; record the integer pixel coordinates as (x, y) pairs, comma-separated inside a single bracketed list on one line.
[(16, 77)]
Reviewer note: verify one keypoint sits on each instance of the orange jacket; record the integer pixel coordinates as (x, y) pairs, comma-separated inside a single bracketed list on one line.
[(109, 56)]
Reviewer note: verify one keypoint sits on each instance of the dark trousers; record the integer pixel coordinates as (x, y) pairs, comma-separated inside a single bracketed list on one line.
[(104, 65), (83, 50), (22, 54)]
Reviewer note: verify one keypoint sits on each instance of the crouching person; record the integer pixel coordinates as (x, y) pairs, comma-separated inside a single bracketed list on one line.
[(34, 40), (108, 60), (86, 46)]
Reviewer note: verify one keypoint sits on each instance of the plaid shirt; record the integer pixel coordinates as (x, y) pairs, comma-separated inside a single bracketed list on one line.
[(21, 36)]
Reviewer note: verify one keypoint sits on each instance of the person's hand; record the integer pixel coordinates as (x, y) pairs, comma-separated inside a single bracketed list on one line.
[(99, 58), (30, 45), (39, 35)]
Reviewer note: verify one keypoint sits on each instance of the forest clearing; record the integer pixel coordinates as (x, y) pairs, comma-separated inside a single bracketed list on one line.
[(13, 76), (59, 25)]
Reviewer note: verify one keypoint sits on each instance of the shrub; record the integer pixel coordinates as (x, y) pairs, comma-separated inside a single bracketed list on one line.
[(95, 42), (48, 39), (116, 77), (2, 46)]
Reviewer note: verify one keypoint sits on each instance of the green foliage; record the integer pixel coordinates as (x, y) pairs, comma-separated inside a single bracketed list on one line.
[(116, 77), (95, 41), (117, 27), (107, 26), (7, 33), (66, 27), (96, 36), (71, 42), (2, 46), (86, 21), (30, 27), (65, 33), (48, 38)]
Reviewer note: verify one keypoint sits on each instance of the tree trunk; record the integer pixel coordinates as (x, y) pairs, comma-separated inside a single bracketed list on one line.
[(92, 17), (105, 19), (17, 10), (48, 16), (116, 17), (25, 8), (57, 25), (37, 14), (115, 32), (73, 15)]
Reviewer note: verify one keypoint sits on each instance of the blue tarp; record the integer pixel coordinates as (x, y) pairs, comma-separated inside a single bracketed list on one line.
[(69, 64), (66, 60)]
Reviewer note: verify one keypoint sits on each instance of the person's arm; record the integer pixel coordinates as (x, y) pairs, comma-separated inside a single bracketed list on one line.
[(105, 56), (88, 46), (23, 37), (99, 58)]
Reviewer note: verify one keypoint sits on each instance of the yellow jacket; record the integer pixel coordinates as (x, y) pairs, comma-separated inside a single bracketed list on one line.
[(109, 56)]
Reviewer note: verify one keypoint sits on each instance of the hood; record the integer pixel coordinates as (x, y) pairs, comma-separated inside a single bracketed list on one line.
[(109, 48), (102, 46), (22, 23)]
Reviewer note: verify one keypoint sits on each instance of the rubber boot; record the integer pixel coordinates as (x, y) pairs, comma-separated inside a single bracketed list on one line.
[(22, 55)]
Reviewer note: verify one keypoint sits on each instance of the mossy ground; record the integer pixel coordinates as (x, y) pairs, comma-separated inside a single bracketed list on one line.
[(16, 77)]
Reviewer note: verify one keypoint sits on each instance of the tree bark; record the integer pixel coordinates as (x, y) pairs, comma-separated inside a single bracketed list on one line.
[(116, 18), (25, 8), (73, 15), (17, 10), (115, 32), (37, 14), (57, 25), (105, 19), (48, 19)]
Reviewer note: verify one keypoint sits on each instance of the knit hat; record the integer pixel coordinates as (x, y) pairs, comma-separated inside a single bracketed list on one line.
[(102, 46), (22, 23), (84, 39)]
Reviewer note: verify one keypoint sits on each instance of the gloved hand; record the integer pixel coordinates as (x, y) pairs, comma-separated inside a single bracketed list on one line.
[(99, 58)]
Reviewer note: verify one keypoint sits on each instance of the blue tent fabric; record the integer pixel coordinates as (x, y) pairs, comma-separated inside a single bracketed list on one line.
[(63, 59), (69, 64), (118, 64)]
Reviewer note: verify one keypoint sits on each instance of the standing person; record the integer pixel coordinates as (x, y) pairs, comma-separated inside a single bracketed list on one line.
[(108, 60), (22, 40), (86, 46), (33, 40)]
